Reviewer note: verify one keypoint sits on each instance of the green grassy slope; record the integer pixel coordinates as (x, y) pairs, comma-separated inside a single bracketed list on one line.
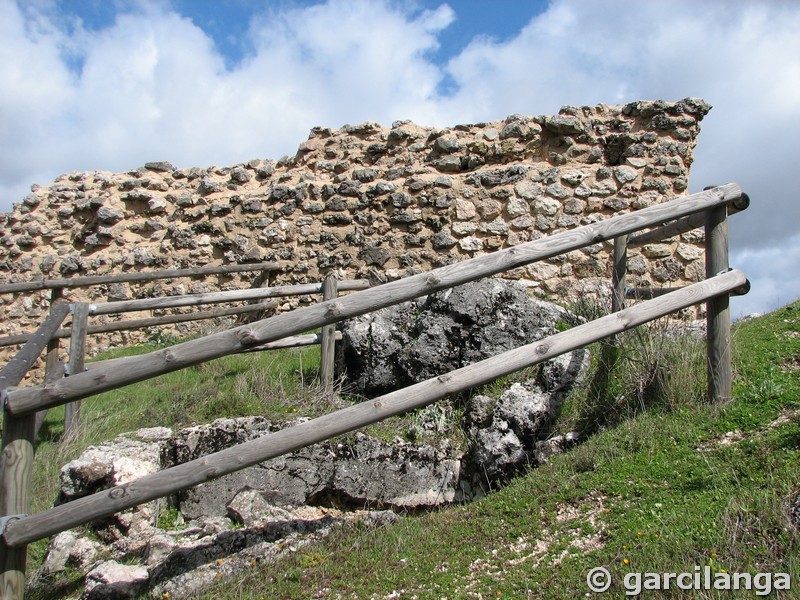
[(671, 488), (667, 483)]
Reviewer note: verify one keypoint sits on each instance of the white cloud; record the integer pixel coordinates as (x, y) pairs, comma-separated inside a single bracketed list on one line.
[(153, 86), (772, 274)]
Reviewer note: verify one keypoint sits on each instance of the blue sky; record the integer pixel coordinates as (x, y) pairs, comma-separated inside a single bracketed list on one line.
[(112, 84)]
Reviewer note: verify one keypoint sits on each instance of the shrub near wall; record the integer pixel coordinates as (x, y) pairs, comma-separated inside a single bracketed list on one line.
[(367, 201)]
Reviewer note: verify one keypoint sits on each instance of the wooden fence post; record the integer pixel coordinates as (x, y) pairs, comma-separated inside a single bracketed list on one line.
[(330, 290), (718, 318), (77, 359), (620, 270), (52, 369), (16, 460)]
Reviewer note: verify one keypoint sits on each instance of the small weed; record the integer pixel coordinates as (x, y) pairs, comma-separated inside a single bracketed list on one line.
[(170, 519)]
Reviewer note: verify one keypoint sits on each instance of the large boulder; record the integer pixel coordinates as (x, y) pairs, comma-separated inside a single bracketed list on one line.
[(414, 341)]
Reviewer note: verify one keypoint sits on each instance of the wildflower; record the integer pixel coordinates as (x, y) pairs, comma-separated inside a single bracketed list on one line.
[(625, 561)]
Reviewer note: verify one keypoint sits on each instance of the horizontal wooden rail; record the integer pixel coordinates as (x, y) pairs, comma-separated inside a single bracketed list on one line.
[(113, 326), (123, 306), (648, 293), (296, 341), (145, 366), (684, 224), (192, 300), (73, 282), (172, 480)]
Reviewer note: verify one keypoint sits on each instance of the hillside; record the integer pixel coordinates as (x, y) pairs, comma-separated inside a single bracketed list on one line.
[(669, 482), (678, 485)]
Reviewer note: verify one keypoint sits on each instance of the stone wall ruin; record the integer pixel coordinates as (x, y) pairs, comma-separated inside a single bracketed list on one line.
[(366, 201)]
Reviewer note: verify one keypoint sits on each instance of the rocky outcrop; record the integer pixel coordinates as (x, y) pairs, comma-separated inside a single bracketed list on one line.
[(181, 546), (414, 341), (366, 201), (359, 471)]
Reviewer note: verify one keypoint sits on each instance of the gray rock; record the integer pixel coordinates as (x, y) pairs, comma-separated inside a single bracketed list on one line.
[(411, 342), (561, 373), (513, 433), (477, 414), (161, 166), (209, 186), (367, 472), (563, 124), (446, 144), (442, 240), (71, 264), (114, 580), (68, 550), (240, 175), (109, 214), (526, 410), (248, 507), (156, 206), (496, 453), (370, 472)]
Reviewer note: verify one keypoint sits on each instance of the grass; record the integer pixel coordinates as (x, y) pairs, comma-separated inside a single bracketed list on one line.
[(667, 482), (663, 487)]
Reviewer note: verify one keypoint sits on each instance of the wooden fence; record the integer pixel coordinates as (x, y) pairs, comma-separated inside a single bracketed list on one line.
[(81, 312), (17, 529)]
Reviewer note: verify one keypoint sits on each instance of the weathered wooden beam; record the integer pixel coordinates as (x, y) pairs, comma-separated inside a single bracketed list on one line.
[(73, 282), (180, 477), (123, 306), (147, 322), (77, 358), (330, 290), (718, 316), (54, 368), (295, 341), (308, 318), (16, 460), (619, 270), (684, 224)]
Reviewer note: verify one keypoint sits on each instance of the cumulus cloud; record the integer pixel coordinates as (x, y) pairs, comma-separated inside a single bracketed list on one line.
[(152, 85), (743, 58)]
